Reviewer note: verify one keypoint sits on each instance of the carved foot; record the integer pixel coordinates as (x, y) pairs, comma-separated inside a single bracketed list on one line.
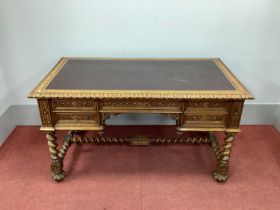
[(58, 177), (219, 177), (57, 170)]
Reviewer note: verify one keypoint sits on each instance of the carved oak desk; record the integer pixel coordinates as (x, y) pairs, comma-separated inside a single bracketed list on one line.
[(201, 95)]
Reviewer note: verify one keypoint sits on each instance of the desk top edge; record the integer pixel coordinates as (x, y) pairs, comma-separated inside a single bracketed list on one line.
[(241, 92)]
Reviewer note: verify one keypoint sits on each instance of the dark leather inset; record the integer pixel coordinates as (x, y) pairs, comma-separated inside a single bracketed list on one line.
[(140, 75)]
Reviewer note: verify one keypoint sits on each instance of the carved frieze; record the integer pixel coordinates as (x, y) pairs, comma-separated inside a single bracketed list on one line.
[(140, 103)]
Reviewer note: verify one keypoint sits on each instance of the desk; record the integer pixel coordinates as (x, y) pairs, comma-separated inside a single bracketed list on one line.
[(200, 95)]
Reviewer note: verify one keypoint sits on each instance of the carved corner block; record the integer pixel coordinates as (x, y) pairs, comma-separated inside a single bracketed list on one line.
[(235, 113), (45, 112)]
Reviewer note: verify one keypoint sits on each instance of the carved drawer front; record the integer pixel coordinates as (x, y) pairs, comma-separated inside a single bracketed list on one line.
[(204, 120), (77, 118), (206, 114), (74, 104), (145, 105), (207, 105)]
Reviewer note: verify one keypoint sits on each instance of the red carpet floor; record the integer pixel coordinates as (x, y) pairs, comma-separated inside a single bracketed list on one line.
[(154, 177)]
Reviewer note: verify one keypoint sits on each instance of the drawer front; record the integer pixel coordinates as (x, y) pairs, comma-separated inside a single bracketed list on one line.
[(77, 118), (207, 105), (138, 104), (206, 114), (204, 120), (68, 104)]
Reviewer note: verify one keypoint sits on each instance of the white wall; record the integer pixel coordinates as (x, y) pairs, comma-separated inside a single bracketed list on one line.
[(34, 34), (277, 120), (4, 101)]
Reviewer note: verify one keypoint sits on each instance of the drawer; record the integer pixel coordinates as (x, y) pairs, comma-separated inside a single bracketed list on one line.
[(206, 104), (204, 120), (68, 104), (77, 118), (152, 105)]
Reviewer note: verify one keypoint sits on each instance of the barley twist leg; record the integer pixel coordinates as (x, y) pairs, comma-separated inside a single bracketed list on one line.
[(221, 174), (215, 145), (57, 162)]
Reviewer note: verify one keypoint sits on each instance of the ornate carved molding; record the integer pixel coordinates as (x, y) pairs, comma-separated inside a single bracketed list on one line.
[(140, 103), (143, 94), (45, 112)]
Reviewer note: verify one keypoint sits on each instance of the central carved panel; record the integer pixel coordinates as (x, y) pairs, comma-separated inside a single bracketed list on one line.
[(125, 105)]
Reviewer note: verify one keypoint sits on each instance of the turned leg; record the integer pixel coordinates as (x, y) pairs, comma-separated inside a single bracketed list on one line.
[(221, 174), (215, 145), (57, 162)]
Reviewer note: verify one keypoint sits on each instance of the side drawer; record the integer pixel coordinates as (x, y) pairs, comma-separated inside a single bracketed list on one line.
[(76, 117), (73, 104), (205, 120), (206, 114), (77, 120)]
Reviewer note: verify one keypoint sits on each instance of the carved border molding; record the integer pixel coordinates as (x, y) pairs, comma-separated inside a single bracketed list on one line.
[(240, 93), (143, 94)]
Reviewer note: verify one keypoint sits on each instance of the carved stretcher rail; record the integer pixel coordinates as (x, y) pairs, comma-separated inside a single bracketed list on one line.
[(138, 140)]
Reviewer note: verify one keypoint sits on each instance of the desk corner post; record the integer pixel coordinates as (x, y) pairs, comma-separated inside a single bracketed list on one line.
[(221, 175)]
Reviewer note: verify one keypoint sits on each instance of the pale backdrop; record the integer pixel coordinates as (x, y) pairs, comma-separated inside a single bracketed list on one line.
[(34, 34)]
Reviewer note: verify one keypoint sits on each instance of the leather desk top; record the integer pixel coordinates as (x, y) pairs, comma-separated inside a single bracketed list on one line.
[(140, 78)]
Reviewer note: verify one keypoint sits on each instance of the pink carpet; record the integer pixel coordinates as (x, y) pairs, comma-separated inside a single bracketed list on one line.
[(154, 177)]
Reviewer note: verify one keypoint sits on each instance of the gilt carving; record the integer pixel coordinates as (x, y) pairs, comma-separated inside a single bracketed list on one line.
[(73, 103), (45, 112), (140, 103), (221, 174)]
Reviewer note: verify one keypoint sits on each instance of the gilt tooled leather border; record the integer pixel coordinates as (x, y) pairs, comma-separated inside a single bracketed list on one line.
[(240, 93)]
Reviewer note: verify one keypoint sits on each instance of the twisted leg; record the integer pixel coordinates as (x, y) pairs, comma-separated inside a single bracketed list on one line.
[(221, 174), (215, 145), (57, 162)]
